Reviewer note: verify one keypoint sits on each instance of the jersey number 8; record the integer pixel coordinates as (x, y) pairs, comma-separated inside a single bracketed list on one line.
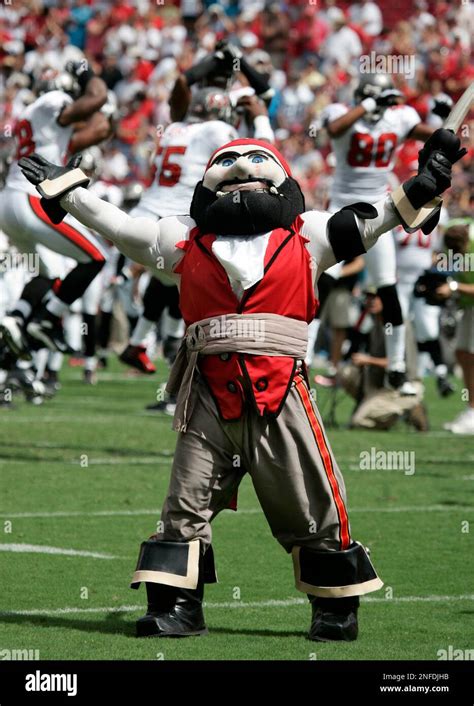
[(24, 135)]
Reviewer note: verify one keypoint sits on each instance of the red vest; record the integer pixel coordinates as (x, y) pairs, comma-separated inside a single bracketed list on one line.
[(286, 289)]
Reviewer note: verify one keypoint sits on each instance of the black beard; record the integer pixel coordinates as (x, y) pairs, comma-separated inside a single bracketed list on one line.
[(247, 212)]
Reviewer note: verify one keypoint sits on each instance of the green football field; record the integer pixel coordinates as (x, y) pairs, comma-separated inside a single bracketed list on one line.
[(82, 480)]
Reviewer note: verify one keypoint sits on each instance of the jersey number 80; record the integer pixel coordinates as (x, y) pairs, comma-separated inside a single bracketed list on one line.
[(365, 151)]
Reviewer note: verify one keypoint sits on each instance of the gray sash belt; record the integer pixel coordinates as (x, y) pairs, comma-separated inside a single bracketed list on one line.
[(254, 334)]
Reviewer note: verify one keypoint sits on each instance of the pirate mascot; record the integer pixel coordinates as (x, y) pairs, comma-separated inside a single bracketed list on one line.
[(247, 261)]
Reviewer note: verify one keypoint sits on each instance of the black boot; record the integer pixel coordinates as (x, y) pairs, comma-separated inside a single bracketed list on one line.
[(173, 612), (333, 619)]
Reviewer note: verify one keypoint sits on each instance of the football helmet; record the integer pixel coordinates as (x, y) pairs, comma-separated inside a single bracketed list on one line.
[(378, 86), (57, 81), (210, 103)]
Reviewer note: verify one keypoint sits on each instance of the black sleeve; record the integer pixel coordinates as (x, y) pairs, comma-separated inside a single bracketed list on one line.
[(209, 64), (343, 231), (258, 82)]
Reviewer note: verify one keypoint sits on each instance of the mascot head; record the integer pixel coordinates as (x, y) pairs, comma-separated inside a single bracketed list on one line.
[(247, 189)]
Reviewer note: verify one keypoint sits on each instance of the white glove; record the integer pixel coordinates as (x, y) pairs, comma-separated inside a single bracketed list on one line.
[(369, 104)]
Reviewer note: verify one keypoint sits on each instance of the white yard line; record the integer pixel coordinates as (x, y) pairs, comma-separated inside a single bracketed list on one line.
[(64, 418), (290, 602), (120, 377), (127, 461), (242, 511), (41, 549)]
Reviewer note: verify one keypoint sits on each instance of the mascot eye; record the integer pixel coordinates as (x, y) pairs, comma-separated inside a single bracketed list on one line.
[(227, 161), (257, 158)]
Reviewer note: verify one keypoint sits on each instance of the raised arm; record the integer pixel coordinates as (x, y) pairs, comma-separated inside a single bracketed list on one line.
[(137, 238), (93, 98), (347, 233), (96, 129), (338, 120), (147, 241), (340, 125), (415, 204)]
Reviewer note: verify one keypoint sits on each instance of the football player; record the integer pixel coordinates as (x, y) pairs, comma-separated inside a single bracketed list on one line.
[(414, 253), (364, 139), (218, 69), (67, 101)]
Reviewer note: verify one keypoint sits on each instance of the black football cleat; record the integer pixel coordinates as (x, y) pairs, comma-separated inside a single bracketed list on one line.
[(334, 619), (24, 380), (168, 406), (172, 612), (12, 334), (51, 383), (445, 388), (47, 329), (397, 381), (89, 377), (136, 357)]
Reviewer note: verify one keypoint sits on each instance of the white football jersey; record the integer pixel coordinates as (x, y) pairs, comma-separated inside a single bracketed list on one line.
[(181, 159), (414, 252), (365, 154), (38, 131)]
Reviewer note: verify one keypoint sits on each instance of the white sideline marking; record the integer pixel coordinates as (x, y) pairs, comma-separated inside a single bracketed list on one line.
[(243, 511), (91, 418), (118, 377), (41, 549), (139, 460), (413, 508), (289, 602)]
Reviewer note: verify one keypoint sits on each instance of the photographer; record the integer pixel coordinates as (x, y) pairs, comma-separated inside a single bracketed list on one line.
[(363, 377)]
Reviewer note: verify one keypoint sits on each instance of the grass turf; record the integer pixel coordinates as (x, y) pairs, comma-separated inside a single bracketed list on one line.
[(92, 467)]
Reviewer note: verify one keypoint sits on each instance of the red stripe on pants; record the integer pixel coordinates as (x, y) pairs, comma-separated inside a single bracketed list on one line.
[(305, 397), (67, 231)]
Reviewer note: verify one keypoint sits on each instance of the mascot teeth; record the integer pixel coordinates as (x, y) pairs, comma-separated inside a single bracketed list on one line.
[(273, 190)]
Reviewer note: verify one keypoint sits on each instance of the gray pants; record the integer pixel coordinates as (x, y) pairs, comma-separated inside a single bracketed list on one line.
[(294, 473)]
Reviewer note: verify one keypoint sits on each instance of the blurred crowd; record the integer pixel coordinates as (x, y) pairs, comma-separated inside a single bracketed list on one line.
[(311, 51)]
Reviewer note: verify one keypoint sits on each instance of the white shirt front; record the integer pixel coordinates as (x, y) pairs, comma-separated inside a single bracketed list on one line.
[(242, 257)]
